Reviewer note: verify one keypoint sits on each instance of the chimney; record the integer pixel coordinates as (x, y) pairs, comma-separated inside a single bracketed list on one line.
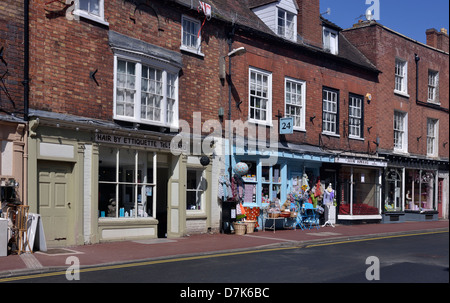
[(437, 39), (308, 22)]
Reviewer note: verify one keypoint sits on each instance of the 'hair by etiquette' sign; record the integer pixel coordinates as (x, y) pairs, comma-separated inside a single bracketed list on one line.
[(130, 141)]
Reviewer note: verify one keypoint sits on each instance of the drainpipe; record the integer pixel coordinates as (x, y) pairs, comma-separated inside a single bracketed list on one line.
[(417, 59), (26, 59), (26, 93)]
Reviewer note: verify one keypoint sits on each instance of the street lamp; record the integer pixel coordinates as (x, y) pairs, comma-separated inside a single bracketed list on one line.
[(235, 52)]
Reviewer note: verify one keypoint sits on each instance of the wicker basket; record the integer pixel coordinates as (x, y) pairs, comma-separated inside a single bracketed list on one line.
[(274, 215), (239, 228), (250, 226)]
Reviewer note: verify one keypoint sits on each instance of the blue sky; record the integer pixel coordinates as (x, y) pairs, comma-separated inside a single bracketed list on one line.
[(408, 17)]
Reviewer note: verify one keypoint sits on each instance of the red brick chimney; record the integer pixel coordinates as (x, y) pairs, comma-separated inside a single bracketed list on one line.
[(308, 22), (437, 39)]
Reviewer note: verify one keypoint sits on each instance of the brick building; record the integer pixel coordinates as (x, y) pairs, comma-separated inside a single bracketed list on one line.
[(12, 94), (114, 83), (412, 113)]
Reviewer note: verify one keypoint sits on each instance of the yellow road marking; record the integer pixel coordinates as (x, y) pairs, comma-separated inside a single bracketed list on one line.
[(129, 265)]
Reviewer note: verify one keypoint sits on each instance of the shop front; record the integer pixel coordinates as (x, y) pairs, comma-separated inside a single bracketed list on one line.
[(359, 188), (411, 189), (265, 185), (98, 181)]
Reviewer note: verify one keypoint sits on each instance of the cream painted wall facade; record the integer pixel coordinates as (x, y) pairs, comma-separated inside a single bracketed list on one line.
[(54, 145)]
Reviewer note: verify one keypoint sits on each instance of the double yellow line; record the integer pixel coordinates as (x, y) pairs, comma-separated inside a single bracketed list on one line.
[(181, 259)]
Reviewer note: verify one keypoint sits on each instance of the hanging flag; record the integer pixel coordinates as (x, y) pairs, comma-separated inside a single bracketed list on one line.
[(206, 9)]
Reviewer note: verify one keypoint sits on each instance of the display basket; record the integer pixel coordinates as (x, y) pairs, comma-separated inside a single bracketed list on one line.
[(250, 226), (239, 228)]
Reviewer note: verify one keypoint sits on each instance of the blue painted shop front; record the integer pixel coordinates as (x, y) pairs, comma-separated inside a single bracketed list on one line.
[(266, 182)]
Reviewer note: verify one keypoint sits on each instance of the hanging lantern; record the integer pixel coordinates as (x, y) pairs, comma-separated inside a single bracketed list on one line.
[(241, 168)]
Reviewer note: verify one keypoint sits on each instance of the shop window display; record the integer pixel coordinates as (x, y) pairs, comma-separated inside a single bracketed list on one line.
[(359, 191), (194, 189), (126, 183), (420, 190), (393, 190)]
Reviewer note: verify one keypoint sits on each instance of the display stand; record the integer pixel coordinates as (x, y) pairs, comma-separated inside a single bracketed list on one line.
[(330, 215)]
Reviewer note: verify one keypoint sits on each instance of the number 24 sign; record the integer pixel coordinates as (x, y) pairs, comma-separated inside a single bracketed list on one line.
[(286, 125)]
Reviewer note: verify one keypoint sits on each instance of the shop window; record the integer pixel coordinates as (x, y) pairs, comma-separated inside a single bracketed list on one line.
[(420, 190), (126, 183), (393, 190), (195, 188), (359, 191)]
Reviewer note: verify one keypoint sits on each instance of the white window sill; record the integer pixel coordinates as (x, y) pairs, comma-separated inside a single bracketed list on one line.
[(91, 17), (331, 134), (260, 122), (192, 50), (356, 138), (400, 152), (400, 93)]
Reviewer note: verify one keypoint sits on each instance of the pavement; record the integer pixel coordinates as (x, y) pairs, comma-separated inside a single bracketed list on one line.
[(113, 253)]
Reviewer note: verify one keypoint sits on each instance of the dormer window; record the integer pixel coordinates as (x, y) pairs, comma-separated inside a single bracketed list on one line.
[(330, 40), (280, 16), (286, 24)]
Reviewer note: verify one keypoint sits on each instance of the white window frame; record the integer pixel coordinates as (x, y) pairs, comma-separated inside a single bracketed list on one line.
[(199, 190), (400, 132), (197, 48), (328, 112), (432, 137), (100, 17), (140, 187), (355, 114), (433, 86), (167, 70), (401, 77), (288, 27), (255, 96), (330, 40), (299, 106)]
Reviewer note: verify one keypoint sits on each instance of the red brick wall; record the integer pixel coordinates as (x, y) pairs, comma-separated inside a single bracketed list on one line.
[(11, 39), (64, 52), (318, 72), (387, 47)]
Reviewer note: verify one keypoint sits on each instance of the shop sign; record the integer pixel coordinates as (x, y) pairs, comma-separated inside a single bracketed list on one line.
[(130, 141), (360, 162)]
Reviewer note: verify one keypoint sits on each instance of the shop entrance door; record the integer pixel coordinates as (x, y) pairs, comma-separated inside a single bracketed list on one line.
[(161, 200), (54, 184)]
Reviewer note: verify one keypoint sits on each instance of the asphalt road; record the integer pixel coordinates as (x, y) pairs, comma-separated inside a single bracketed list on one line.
[(405, 259)]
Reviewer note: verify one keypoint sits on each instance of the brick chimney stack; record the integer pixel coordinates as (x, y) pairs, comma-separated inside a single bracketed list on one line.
[(308, 23), (437, 39)]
